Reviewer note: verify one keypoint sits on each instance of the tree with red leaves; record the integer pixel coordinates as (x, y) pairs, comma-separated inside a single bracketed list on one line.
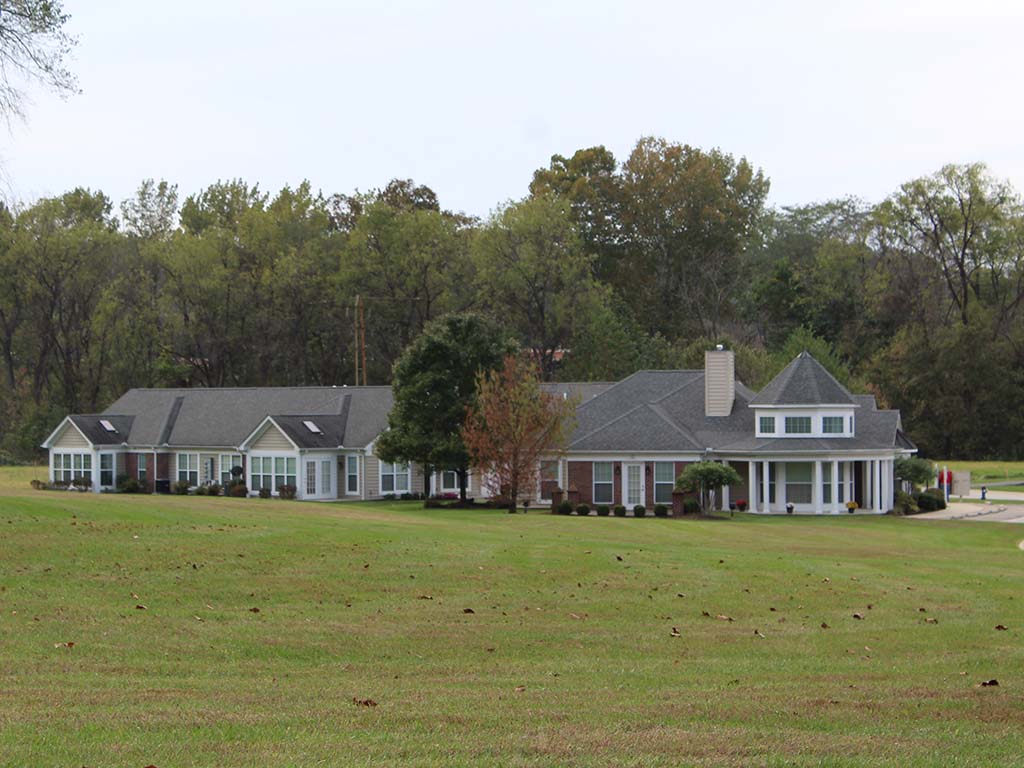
[(512, 425)]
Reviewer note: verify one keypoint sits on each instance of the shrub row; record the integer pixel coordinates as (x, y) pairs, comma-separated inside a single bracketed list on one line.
[(603, 510)]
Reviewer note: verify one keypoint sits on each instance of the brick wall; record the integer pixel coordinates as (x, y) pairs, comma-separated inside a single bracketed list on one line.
[(581, 478)]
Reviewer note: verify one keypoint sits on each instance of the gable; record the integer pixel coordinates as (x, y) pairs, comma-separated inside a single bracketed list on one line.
[(272, 439), (69, 437)]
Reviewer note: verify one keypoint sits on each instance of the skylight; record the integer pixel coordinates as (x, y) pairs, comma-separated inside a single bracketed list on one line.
[(107, 426), (312, 427)]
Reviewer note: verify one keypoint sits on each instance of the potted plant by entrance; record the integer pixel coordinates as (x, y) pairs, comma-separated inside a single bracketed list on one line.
[(851, 506), (741, 505), (789, 508)]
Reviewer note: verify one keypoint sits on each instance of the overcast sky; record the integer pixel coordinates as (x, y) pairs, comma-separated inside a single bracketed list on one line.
[(829, 97)]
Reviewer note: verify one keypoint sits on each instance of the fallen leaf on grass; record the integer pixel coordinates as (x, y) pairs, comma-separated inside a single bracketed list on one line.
[(468, 610), (520, 688), (198, 618), (424, 597), (723, 617), (922, 610), (64, 645), (364, 702), (675, 632), (1001, 627), (759, 633), (680, 594), (254, 609), (619, 558), (931, 620), (140, 607), (705, 613), (824, 625), (858, 616), (988, 683)]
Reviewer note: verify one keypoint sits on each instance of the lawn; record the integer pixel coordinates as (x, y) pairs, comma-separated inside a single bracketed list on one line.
[(983, 472), (488, 639)]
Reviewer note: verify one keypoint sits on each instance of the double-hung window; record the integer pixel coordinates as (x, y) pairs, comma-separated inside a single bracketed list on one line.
[(604, 492), (188, 468), (143, 466), (798, 425), (799, 482), (351, 475), (227, 462), (832, 425), (284, 471), (664, 481), (394, 478), (262, 478)]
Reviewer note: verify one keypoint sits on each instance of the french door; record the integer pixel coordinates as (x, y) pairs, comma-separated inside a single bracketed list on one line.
[(633, 485)]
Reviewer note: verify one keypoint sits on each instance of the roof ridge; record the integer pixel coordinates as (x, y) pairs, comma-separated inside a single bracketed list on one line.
[(608, 423), (664, 415)]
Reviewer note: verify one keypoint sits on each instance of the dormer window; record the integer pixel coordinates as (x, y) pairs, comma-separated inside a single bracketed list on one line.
[(798, 425), (767, 425), (832, 425), (108, 426)]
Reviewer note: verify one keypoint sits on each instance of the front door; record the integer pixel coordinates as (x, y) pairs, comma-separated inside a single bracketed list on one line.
[(633, 490)]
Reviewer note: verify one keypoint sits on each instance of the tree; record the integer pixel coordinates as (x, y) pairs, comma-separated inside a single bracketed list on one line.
[(914, 470), (690, 218), (532, 268), (707, 476), (33, 48), (512, 425), (434, 382)]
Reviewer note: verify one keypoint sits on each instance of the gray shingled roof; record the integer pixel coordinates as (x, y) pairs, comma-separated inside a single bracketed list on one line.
[(664, 411), (225, 417), (96, 433), (803, 382)]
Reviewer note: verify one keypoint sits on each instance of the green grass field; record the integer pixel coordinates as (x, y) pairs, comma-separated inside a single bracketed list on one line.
[(568, 656), (983, 472)]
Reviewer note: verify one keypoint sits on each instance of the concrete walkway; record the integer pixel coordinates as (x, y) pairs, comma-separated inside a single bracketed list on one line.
[(976, 512)]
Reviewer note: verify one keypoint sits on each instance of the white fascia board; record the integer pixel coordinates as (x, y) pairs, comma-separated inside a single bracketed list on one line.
[(48, 442)]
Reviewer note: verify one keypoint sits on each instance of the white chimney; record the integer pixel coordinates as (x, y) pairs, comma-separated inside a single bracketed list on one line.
[(719, 381)]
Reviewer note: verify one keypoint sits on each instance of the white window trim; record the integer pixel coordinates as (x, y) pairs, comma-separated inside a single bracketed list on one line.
[(220, 466), (274, 455), (657, 482), (356, 474), (192, 467), (594, 482), (93, 463), (380, 479)]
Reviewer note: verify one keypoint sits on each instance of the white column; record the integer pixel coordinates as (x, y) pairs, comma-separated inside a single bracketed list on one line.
[(764, 486), (725, 489), (835, 487), (780, 484), (752, 485), (876, 486), (890, 484), (816, 495)]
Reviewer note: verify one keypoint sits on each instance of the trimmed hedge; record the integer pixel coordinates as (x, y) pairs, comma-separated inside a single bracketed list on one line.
[(660, 510), (602, 510), (620, 511), (691, 507), (582, 510), (565, 508), (639, 510)]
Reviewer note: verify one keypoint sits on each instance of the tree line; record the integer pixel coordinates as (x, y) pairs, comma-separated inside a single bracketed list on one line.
[(604, 267)]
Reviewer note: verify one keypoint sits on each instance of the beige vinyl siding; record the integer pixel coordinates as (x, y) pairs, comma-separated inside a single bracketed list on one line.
[(719, 383), (371, 477), (272, 439), (70, 437), (416, 481)]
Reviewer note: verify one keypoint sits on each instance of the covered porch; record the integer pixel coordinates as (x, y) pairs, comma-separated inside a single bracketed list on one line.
[(821, 485)]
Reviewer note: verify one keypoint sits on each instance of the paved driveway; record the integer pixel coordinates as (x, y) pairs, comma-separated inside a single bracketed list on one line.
[(976, 512)]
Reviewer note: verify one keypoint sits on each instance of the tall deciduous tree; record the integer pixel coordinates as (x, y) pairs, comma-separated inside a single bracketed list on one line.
[(512, 425), (535, 275), (434, 382), (34, 48)]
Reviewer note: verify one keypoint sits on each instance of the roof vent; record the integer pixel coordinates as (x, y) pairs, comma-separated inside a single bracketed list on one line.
[(312, 427), (108, 426)]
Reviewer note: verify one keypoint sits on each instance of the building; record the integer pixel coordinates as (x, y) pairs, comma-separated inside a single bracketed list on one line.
[(802, 440)]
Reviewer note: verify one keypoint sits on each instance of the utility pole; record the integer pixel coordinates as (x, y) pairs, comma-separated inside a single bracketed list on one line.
[(355, 328)]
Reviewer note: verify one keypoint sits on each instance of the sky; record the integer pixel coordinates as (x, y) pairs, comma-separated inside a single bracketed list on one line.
[(830, 98)]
